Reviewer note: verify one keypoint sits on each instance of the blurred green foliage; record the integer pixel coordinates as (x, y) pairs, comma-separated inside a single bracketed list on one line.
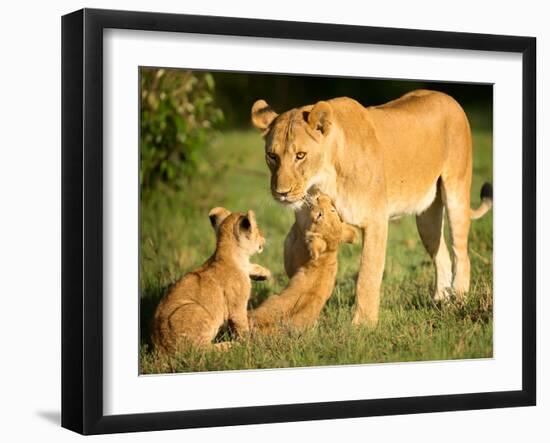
[(236, 92), (178, 119)]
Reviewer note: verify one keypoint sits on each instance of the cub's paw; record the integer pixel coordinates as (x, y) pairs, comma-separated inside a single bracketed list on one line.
[(259, 273)]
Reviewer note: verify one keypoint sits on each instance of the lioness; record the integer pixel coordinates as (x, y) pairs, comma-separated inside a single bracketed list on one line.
[(412, 155), (300, 303), (197, 305)]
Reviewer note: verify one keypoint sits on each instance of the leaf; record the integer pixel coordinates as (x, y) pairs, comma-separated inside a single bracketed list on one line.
[(209, 81), (178, 119)]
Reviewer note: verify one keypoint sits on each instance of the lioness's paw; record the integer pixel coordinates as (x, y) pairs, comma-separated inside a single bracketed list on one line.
[(362, 320)]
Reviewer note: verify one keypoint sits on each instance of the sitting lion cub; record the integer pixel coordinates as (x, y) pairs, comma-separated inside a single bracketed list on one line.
[(300, 303), (199, 303)]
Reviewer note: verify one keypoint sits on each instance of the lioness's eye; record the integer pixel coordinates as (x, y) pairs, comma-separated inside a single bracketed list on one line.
[(272, 156), (300, 155)]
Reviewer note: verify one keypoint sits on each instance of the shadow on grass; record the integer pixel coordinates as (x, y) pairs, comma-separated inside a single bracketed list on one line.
[(150, 299), (260, 292), (419, 297)]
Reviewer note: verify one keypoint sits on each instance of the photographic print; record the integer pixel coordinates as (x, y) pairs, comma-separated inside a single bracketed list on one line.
[(304, 221), (264, 208)]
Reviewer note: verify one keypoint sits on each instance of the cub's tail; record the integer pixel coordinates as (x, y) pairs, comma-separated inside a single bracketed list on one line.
[(486, 196)]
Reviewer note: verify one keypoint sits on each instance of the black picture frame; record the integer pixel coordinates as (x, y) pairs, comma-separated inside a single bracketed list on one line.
[(82, 220)]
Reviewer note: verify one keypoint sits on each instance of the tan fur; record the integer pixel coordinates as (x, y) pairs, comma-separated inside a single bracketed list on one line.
[(410, 156), (197, 305), (300, 303)]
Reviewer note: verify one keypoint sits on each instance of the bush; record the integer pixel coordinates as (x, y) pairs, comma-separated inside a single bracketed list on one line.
[(177, 119)]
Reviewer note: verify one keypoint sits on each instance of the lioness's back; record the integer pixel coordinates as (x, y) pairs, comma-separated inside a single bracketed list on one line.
[(421, 104)]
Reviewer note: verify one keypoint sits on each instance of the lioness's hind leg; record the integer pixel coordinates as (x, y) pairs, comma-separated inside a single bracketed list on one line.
[(430, 227), (457, 203)]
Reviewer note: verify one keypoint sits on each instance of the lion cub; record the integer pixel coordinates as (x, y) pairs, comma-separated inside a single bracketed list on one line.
[(300, 303), (197, 305)]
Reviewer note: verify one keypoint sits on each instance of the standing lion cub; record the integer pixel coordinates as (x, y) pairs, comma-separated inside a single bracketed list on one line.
[(203, 300), (300, 303)]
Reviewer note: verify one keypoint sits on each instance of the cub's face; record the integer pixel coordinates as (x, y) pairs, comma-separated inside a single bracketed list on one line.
[(237, 227), (326, 230), (325, 221), (294, 147)]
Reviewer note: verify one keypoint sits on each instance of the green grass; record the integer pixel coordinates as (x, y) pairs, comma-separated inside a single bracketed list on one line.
[(176, 237)]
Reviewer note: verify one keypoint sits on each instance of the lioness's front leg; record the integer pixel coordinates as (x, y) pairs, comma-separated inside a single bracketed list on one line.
[(295, 250), (371, 270)]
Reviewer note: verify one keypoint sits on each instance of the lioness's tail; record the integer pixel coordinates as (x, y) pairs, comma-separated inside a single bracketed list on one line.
[(486, 196)]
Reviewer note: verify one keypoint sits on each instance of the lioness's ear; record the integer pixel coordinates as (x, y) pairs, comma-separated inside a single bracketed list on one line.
[(320, 117), (349, 234), (262, 115), (217, 216)]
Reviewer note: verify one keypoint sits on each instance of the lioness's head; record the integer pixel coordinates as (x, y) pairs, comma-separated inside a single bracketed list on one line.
[(237, 228), (326, 230), (294, 147)]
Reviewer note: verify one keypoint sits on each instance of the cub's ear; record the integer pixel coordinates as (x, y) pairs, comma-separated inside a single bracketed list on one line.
[(245, 224), (217, 216), (323, 199), (320, 117), (262, 115), (349, 234), (251, 217)]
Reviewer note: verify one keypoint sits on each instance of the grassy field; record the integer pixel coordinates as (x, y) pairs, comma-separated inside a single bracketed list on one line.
[(176, 237)]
